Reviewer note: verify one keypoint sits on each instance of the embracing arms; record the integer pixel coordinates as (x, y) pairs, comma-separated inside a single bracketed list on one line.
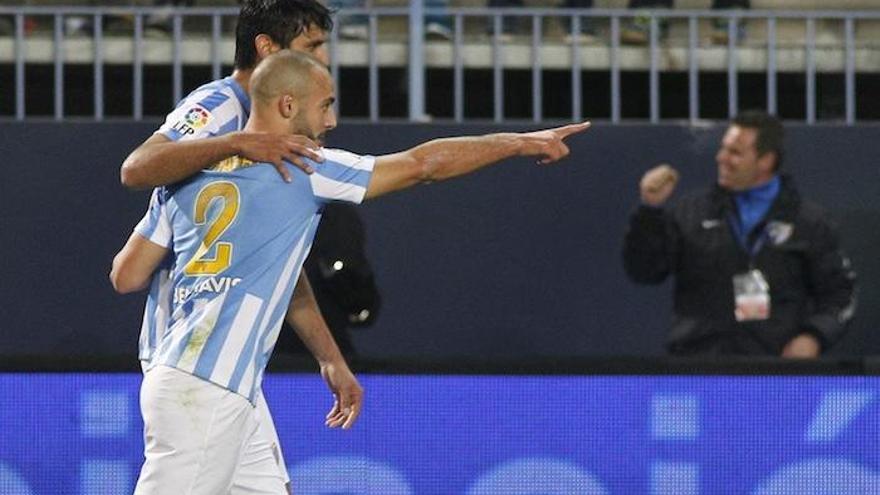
[(160, 161)]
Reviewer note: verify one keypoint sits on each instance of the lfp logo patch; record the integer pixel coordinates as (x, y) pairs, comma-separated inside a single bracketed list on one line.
[(197, 117), (194, 119)]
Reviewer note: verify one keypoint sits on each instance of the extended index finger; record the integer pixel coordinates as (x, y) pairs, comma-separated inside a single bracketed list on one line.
[(567, 130)]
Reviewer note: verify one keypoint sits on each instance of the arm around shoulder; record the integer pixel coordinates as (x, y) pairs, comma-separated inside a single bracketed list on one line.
[(159, 161)]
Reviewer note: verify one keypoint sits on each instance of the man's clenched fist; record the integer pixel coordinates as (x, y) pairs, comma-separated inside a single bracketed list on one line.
[(658, 184)]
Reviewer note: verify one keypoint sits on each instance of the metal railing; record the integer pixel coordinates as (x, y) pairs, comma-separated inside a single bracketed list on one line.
[(490, 47)]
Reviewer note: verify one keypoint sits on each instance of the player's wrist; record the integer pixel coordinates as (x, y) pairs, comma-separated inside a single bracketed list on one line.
[(333, 359), (515, 144), (232, 144)]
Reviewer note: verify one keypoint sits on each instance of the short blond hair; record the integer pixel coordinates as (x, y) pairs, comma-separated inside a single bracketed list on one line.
[(284, 72)]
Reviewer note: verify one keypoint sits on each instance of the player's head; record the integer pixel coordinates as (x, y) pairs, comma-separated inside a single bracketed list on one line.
[(751, 151), (266, 26), (296, 88)]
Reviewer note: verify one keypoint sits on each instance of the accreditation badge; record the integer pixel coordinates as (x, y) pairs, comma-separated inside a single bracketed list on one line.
[(751, 294)]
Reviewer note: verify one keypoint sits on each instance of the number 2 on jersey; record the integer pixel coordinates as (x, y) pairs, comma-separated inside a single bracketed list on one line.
[(228, 193)]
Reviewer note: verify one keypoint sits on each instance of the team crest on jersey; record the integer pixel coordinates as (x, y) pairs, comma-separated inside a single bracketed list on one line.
[(779, 232), (194, 119)]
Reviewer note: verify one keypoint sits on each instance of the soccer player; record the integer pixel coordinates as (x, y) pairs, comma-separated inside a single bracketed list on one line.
[(228, 229), (206, 127)]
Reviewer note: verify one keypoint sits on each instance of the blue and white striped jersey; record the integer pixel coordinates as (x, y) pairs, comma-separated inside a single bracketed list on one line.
[(239, 240), (154, 226), (214, 109)]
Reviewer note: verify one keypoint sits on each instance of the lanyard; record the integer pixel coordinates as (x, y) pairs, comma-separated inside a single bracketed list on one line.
[(743, 239)]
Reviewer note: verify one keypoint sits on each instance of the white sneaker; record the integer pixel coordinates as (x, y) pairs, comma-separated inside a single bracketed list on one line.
[(435, 30), (76, 25), (503, 38), (581, 39)]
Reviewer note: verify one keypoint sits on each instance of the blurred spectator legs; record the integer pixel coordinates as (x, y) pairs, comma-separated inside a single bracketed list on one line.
[(510, 25), (83, 25), (352, 26), (356, 26), (522, 25), (587, 24), (638, 30), (161, 21), (720, 27)]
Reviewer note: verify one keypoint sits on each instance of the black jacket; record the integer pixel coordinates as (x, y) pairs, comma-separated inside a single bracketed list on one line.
[(812, 285)]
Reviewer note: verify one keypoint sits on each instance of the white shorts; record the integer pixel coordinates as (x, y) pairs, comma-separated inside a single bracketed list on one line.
[(269, 434), (200, 438)]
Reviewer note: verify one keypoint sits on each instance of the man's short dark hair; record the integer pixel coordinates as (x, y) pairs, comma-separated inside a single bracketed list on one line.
[(281, 20), (769, 129)]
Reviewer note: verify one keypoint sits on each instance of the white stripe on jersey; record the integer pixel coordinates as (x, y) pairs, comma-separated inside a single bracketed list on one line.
[(155, 321), (294, 263), (163, 308), (226, 112), (328, 188), (241, 328), (146, 348), (154, 226), (208, 312), (182, 331), (270, 340), (349, 159), (162, 234), (163, 311)]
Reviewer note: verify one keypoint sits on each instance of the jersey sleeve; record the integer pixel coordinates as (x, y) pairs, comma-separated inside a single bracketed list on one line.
[(342, 176), (155, 226), (202, 114)]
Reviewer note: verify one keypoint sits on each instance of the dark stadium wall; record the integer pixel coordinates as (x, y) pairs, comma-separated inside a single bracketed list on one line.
[(517, 261)]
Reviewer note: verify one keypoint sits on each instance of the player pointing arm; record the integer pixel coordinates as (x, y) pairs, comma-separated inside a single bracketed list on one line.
[(446, 158), (435, 160)]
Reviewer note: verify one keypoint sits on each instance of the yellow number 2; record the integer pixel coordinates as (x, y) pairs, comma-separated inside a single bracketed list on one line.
[(228, 193)]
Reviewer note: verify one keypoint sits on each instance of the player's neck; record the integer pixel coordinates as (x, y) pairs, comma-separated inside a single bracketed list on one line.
[(243, 78), (262, 119)]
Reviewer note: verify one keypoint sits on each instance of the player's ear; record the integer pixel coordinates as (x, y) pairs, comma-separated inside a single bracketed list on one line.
[(288, 106), (265, 46)]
